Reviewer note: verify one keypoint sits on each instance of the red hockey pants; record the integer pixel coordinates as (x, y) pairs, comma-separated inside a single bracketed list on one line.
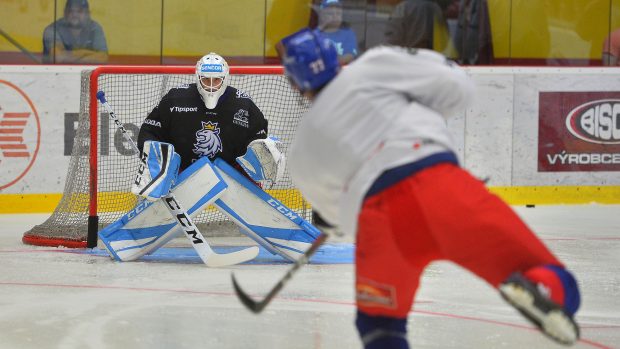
[(439, 213)]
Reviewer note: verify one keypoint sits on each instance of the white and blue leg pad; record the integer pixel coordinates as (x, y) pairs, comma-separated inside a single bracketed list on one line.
[(149, 225), (266, 220), (159, 167)]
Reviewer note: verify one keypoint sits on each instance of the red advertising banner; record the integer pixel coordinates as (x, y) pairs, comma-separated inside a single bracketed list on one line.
[(579, 131)]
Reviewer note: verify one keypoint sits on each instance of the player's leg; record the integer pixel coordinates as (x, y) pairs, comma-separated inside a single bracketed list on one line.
[(475, 228), (387, 273), (549, 297), (480, 232)]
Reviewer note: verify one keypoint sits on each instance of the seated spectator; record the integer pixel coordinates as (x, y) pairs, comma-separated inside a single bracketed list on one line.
[(332, 26), (420, 24), (611, 48), (473, 33), (75, 38)]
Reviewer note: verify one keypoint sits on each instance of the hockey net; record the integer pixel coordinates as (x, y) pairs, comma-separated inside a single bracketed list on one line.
[(97, 188)]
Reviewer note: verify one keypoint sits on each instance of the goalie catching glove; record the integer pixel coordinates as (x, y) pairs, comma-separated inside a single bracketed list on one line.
[(263, 161), (159, 167)]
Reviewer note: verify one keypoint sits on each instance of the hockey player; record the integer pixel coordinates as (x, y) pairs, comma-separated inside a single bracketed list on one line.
[(374, 158), (201, 132), (206, 118)]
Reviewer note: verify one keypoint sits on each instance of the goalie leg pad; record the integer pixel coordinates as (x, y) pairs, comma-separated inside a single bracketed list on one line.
[(263, 218), (149, 225)]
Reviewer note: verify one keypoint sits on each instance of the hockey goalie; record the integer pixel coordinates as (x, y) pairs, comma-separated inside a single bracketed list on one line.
[(217, 138)]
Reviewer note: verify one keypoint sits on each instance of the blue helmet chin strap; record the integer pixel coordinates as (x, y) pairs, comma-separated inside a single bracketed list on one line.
[(310, 59)]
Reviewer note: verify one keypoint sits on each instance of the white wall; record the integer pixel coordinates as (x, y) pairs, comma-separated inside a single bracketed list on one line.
[(497, 137), (45, 94)]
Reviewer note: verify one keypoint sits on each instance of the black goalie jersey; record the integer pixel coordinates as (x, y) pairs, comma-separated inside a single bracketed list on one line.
[(182, 120)]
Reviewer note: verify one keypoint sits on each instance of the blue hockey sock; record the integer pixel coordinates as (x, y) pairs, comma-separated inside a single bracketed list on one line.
[(382, 332)]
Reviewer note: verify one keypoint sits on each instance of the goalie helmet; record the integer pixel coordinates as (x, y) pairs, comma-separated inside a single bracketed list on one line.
[(212, 78), (310, 59)]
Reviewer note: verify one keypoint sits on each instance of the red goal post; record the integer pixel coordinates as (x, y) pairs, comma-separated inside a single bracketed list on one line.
[(102, 165)]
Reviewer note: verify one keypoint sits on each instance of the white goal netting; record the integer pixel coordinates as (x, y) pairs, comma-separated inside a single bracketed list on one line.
[(91, 202)]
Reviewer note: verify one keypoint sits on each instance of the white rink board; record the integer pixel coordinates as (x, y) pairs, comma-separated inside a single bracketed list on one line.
[(496, 137), (525, 116), (487, 130), (53, 91)]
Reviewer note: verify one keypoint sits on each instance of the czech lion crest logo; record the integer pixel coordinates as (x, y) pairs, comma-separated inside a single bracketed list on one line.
[(208, 142)]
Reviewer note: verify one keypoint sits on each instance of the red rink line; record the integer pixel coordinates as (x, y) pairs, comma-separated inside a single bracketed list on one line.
[(104, 287), (230, 294), (523, 327), (56, 250)]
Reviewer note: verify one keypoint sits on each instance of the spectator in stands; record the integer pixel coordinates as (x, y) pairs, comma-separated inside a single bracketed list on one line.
[(334, 28), (75, 38), (611, 48), (420, 24), (473, 33)]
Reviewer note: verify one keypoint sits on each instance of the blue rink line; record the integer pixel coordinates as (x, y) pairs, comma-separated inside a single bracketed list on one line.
[(326, 254)]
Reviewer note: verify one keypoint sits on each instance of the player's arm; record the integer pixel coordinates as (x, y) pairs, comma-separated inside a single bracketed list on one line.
[(98, 51), (349, 48), (84, 55), (154, 127), (159, 163), (424, 76), (260, 126), (78, 55)]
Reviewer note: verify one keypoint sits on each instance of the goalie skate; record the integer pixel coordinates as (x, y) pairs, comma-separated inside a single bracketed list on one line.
[(551, 318)]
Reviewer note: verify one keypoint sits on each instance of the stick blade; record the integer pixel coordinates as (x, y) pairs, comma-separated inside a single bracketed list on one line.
[(215, 260), (252, 305), (257, 307)]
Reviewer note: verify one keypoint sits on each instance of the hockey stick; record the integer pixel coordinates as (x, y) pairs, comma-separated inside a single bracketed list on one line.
[(205, 252), (258, 306)]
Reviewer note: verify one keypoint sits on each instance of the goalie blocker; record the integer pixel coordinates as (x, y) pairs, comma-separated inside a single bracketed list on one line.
[(261, 217), (159, 167)]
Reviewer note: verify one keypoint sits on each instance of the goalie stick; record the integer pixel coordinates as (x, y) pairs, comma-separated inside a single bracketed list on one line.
[(202, 247), (258, 306)]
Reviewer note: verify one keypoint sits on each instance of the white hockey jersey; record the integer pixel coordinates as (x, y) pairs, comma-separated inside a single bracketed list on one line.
[(384, 110)]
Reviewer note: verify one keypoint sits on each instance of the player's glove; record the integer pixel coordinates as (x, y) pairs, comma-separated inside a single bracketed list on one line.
[(325, 227), (158, 170)]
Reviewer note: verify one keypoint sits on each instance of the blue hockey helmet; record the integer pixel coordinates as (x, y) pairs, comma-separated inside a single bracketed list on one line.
[(310, 59)]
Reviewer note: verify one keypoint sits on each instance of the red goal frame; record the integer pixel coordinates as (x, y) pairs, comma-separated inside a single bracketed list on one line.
[(93, 115), (94, 112)]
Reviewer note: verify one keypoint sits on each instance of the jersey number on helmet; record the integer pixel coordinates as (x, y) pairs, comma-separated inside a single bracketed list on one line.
[(317, 66)]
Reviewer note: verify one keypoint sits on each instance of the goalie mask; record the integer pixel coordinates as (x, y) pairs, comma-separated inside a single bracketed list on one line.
[(212, 78)]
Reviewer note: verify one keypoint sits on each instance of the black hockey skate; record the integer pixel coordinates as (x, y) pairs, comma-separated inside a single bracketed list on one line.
[(551, 318)]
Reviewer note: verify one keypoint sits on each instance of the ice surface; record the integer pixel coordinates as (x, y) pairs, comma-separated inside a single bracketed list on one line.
[(63, 298)]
